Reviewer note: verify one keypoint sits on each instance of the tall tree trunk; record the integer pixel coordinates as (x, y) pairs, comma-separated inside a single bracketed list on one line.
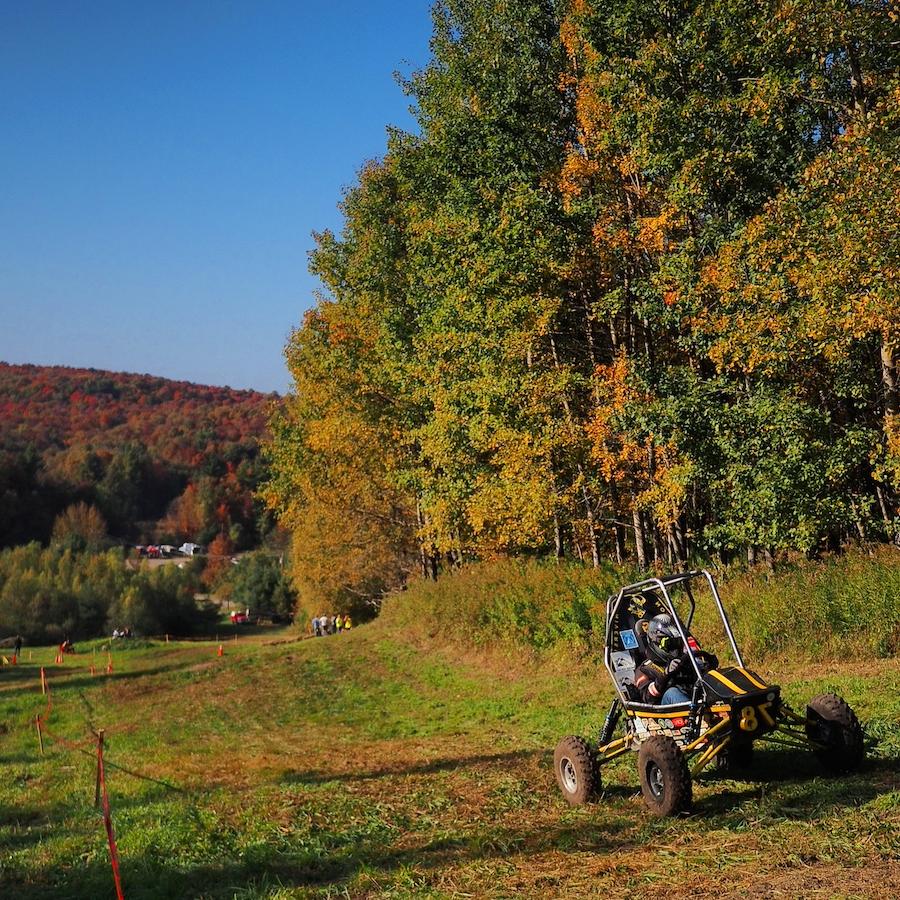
[(558, 548), (588, 507), (589, 516), (885, 511), (621, 551), (423, 554), (889, 379), (620, 543), (858, 522), (751, 555), (857, 82), (659, 550), (640, 545), (678, 553)]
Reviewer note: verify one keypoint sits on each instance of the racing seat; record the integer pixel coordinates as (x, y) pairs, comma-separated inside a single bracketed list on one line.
[(633, 642)]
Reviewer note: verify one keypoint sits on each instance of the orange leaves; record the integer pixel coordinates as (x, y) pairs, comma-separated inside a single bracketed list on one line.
[(576, 174), (618, 455), (651, 470), (654, 231), (571, 35)]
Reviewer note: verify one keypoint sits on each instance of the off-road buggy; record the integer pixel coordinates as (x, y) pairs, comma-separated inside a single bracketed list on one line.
[(730, 708)]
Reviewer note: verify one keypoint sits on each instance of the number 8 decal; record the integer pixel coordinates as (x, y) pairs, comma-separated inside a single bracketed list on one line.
[(749, 722)]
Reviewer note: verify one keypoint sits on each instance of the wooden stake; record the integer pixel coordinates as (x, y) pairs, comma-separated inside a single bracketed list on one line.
[(37, 722)]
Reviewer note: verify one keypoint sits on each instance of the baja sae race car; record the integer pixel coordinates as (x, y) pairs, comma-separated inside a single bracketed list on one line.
[(730, 708)]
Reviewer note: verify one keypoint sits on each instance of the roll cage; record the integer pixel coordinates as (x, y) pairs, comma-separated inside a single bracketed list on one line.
[(655, 594)]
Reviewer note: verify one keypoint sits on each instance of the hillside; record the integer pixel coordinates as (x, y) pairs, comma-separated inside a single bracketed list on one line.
[(160, 459), (364, 766)]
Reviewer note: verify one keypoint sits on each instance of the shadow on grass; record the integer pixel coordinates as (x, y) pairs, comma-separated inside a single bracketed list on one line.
[(336, 857), (448, 764), (65, 677), (24, 825), (154, 876), (800, 785)]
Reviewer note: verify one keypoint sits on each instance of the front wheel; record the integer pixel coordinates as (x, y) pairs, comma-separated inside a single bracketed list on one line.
[(835, 731), (576, 772), (665, 779)]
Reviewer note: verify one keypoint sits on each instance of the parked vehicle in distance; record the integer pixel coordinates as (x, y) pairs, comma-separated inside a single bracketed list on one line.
[(190, 549)]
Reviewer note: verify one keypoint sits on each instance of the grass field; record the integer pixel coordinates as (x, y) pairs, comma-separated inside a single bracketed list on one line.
[(360, 766)]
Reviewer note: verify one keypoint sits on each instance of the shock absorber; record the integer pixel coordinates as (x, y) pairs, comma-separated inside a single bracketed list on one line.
[(698, 697), (609, 724)]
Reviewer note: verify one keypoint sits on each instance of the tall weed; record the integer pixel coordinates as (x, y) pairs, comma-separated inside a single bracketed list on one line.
[(845, 607)]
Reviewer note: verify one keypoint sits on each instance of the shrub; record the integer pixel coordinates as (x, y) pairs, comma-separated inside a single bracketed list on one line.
[(842, 607), (48, 594), (259, 583)]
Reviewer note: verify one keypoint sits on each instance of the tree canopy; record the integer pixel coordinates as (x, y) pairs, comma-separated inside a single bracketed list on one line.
[(629, 289)]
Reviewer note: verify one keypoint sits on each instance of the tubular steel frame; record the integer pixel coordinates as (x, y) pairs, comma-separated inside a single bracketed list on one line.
[(789, 725)]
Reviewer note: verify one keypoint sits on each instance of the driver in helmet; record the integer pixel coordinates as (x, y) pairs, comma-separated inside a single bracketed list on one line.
[(667, 675)]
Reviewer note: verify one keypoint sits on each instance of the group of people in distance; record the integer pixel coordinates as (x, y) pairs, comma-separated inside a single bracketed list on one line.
[(322, 625)]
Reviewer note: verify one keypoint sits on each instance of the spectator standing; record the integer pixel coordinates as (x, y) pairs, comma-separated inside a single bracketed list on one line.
[(338, 623), (18, 646), (347, 623)]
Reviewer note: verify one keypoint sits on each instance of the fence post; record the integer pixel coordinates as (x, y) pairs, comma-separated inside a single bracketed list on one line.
[(37, 722), (99, 756)]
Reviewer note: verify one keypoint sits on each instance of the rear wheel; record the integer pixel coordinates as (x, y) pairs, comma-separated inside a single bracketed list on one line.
[(665, 779), (576, 772), (833, 727)]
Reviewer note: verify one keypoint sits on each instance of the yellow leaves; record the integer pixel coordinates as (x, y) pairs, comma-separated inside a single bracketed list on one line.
[(616, 454), (511, 505), (654, 231), (641, 463), (668, 493), (592, 112), (577, 171)]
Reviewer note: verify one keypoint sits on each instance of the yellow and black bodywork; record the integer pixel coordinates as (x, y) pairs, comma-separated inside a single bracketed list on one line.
[(737, 708), (730, 708)]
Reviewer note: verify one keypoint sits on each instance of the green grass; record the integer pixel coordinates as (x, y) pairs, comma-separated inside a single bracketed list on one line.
[(367, 765)]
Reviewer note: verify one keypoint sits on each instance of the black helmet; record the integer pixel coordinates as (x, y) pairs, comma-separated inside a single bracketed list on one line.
[(663, 639)]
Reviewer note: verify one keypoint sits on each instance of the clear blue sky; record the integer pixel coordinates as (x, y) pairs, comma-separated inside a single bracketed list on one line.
[(164, 162)]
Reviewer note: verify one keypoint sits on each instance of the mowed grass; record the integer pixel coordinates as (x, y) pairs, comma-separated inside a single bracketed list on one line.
[(361, 766)]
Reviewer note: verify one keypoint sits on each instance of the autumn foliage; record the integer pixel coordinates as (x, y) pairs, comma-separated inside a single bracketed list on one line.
[(144, 458), (631, 290)]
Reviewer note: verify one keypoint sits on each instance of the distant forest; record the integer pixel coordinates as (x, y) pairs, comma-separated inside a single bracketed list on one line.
[(102, 457), (629, 291)]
